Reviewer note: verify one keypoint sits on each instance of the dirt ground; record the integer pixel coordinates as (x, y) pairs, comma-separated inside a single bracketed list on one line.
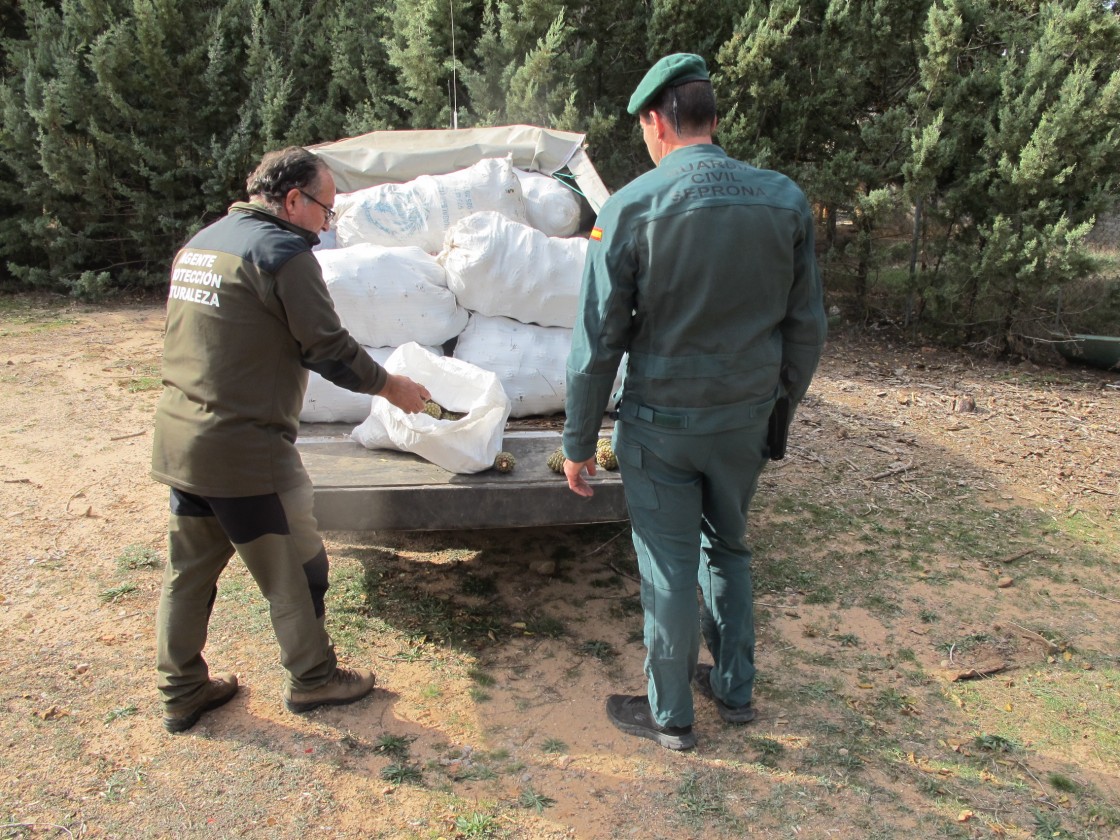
[(870, 712)]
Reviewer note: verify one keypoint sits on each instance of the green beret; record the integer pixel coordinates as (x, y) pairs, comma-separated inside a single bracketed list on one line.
[(672, 70)]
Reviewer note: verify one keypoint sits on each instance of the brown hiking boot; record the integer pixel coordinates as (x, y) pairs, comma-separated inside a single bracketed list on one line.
[(345, 686), (218, 692)]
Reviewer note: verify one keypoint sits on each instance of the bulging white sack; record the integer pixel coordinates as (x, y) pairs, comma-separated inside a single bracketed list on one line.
[(325, 402), (387, 297), (420, 211), (550, 207), (530, 361), (499, 267), (466, 445)]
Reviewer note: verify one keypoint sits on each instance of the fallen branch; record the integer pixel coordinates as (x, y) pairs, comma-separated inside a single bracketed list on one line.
[(1099, 595), (125, 437), (1018, 556), (892, 471), (608, 542), (1051, 647)]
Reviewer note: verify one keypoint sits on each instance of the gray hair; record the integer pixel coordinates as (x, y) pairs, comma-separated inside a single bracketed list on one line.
[(280, 172)]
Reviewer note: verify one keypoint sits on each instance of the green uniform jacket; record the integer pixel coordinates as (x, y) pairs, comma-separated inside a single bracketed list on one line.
[(703, 271), (248, 315)]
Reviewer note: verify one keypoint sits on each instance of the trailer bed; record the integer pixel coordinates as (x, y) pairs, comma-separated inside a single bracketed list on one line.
[(359, 489)]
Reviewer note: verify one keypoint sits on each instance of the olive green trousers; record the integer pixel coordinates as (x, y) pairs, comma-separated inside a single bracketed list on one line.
[(277, 538)]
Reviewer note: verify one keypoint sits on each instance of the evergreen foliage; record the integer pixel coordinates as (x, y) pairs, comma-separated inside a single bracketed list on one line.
[(957, 149)]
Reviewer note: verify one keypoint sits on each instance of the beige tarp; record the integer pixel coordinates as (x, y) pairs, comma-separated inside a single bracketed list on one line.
[(396, 156)]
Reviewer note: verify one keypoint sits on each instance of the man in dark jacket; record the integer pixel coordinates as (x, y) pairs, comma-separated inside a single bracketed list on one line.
[(248, 314), (702, 271)]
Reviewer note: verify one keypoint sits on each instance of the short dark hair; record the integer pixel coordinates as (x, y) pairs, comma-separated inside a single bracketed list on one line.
[(695, 107), (280, 172)]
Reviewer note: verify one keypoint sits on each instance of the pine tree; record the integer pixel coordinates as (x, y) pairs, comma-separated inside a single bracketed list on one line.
[(1029, 125)]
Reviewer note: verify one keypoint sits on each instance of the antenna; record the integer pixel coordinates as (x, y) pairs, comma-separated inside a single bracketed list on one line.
[(454, 72)]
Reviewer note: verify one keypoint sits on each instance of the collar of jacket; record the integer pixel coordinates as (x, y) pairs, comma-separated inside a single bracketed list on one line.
[(261, 212)]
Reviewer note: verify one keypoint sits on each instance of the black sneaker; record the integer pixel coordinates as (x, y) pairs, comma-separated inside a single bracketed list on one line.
[(218, 692), (702, 679), (632, 714)]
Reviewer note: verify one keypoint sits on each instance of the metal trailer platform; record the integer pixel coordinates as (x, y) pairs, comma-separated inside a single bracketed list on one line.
[(359, 489)]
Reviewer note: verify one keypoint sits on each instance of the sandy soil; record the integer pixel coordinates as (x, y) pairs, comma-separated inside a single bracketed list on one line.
[(85, 754)]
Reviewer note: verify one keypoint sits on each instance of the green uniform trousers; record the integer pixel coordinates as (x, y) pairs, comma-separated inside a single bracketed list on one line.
[(688, 496), (278, 540)]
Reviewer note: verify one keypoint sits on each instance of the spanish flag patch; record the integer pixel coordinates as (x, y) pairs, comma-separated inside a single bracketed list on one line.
[(597, 233)]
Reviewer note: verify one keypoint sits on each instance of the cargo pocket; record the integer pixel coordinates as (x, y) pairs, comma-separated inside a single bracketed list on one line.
[(639, 490)]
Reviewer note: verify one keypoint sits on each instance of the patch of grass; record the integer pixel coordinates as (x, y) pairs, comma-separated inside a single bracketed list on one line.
[(476, 824), (603, 651), (701, 798), (1049, 825), (891, 699), (475, 773), (478, 586), (478, 695), (135, 556), (553, 745), (122, 712), (995, 744), (768, 750), (481, 677), (627, 607), (139, 376), (529, 798), (547, 626), (397, 746), (1061, 782), (23, 312), (402, 773), (118, 592)]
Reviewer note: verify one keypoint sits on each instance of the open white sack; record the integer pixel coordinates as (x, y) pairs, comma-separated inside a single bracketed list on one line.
[(466, 445), (325, 402), (550, 207), (420, 211), (386, 297), (499, 267)]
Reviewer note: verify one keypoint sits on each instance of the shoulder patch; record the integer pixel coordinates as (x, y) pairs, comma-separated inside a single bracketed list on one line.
[(596, 233)]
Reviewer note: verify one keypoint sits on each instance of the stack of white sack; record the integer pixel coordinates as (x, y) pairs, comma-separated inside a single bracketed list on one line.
[(499, 267), (551, 207), (420, 211), (325, 402), (529, 360), (386, 297)]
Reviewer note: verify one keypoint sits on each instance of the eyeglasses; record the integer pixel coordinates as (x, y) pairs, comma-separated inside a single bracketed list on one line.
[(330, 212)]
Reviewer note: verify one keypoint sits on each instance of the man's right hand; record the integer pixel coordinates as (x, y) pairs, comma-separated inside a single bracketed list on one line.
[(573, 471), (405, 394)]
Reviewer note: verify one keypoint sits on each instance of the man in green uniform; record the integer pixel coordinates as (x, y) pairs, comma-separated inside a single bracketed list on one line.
[(703, 272), (248, 314)]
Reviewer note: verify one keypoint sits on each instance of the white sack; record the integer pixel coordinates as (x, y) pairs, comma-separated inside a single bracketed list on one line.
[(550, 206), (420, 211), (467, 445), (325, 402), (387, 297), (530, 361), (496, 266)]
